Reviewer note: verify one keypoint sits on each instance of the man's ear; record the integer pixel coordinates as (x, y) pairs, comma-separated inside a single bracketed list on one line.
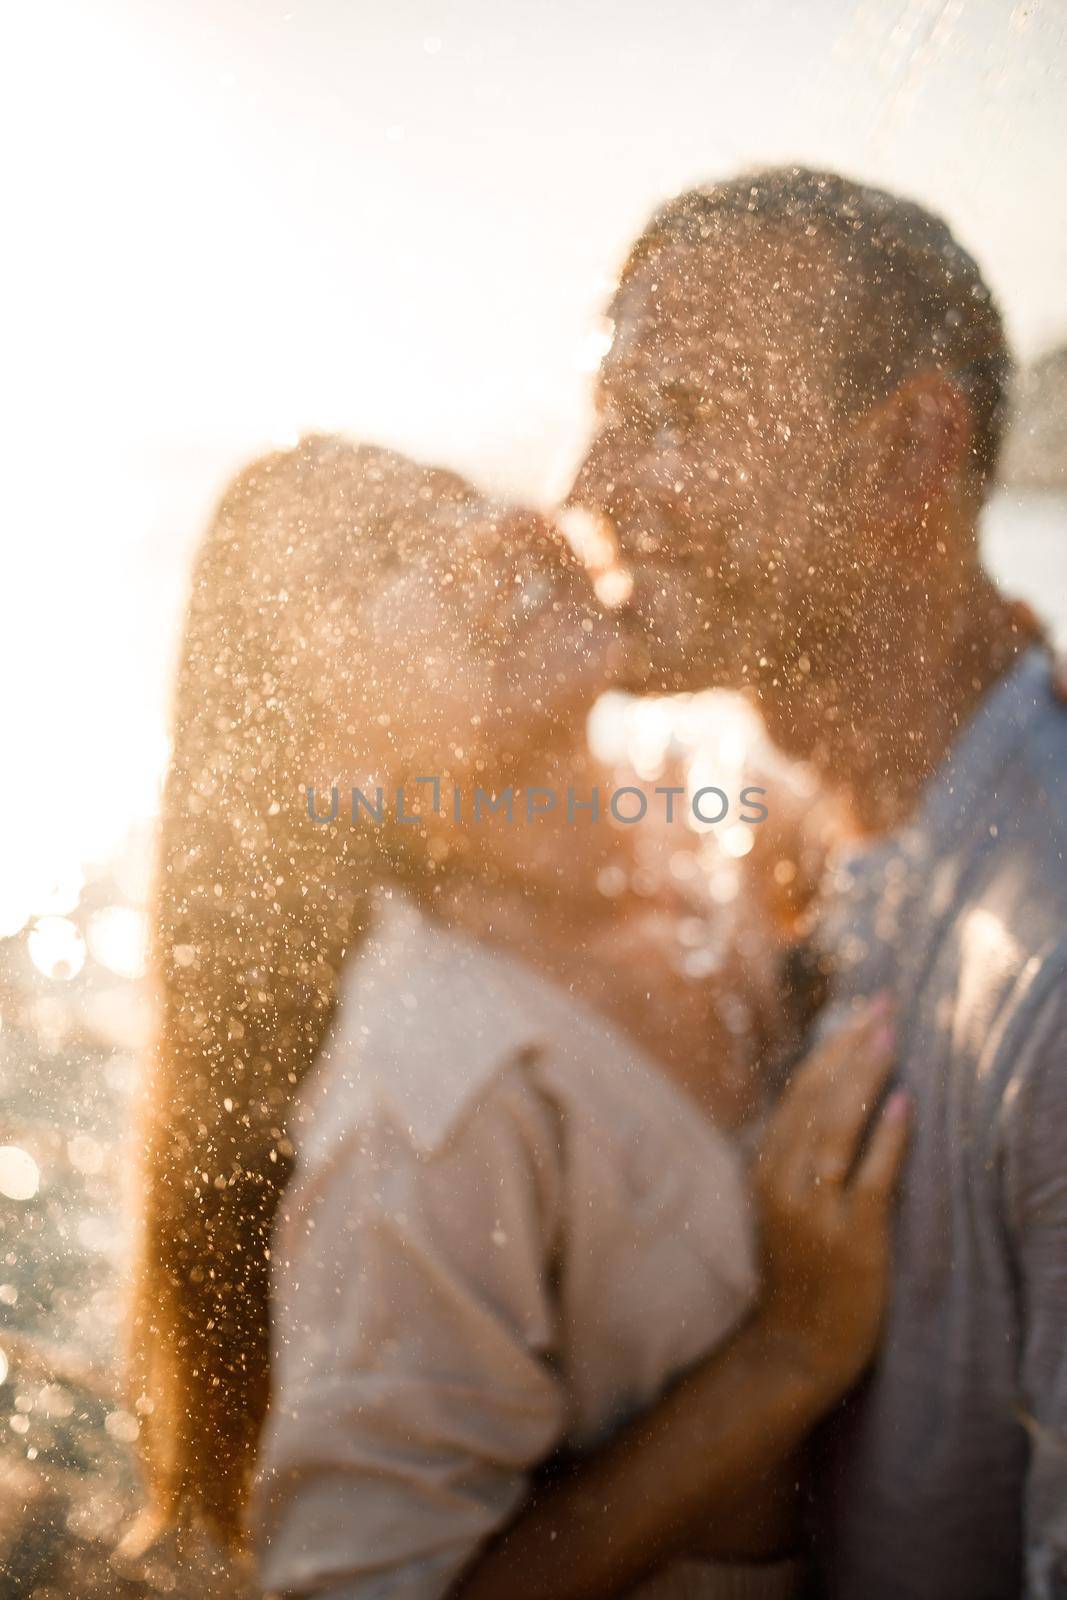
[(911, 448)]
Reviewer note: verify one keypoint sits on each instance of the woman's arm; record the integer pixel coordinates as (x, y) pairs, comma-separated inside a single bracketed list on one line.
[(676, 1475), (687, 1464)]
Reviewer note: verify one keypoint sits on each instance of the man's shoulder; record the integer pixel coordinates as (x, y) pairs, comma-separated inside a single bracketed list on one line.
[(1042, 711), (1010, 927), (1021, 824), (1006, 939)]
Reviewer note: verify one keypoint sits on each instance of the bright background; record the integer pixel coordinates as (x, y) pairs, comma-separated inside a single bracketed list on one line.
[(229, 222)]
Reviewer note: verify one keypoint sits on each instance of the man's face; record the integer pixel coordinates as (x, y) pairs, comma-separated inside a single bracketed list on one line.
[(720, 456)]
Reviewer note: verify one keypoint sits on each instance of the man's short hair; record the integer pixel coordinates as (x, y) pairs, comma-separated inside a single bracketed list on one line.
[(919, 299)]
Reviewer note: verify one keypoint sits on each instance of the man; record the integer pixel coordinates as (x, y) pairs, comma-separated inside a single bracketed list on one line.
[(799, 417)]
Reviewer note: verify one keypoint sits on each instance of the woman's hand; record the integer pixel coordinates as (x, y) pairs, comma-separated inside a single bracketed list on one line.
[(686, 1474), (824, 1194)]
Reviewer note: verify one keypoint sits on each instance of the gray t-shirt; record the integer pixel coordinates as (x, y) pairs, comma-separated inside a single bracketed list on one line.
[(945, 1475)]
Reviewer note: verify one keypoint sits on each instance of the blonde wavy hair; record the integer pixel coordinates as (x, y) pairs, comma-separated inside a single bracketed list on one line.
[(254, 913)]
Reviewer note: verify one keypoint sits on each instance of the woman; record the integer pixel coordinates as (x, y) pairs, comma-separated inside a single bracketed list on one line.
[(508, 1228)]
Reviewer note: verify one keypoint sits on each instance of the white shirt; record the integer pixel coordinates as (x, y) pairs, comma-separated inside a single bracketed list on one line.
[(505, 1232)]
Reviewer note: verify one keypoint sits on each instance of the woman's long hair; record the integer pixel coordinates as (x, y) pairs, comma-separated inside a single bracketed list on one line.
[(255, 909)]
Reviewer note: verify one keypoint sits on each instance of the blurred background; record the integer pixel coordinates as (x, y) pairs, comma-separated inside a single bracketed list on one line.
[(230, 223)]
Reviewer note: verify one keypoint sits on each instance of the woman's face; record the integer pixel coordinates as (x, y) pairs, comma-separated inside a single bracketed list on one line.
[(483, 644)]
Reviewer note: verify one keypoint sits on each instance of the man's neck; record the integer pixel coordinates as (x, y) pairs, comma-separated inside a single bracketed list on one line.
[(884, 732)]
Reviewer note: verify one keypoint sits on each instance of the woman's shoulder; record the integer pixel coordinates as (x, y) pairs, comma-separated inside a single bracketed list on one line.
[(430, 1023), (426, 1021)]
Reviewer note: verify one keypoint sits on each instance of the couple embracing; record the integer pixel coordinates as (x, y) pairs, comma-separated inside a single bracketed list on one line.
[(479, 1257)]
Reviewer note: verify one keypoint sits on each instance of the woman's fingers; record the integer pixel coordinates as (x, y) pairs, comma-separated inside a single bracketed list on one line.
[(860, 1074), (810, 1144), (843, 1057), (879, 1168)]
